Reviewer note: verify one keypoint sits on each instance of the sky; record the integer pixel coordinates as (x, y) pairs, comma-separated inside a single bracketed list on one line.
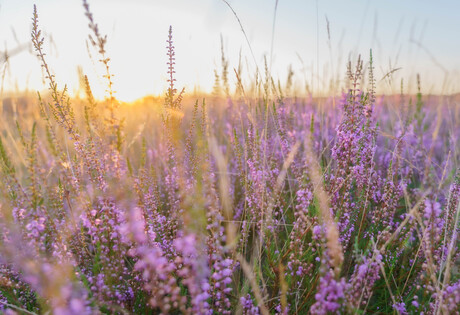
[(413, 36)]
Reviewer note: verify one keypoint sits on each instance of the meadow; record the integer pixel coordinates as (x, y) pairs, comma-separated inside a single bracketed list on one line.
[(251, 200)]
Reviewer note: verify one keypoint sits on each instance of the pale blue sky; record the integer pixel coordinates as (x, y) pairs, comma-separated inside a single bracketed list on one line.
[(420, 36)]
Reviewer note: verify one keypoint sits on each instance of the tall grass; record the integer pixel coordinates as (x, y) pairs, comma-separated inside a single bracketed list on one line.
[(251, 203)]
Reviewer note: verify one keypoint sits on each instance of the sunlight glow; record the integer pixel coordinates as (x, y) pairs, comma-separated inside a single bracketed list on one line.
[(137, 32)]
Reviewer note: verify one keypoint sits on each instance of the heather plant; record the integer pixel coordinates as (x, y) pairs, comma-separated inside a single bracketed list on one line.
[(250, 202)]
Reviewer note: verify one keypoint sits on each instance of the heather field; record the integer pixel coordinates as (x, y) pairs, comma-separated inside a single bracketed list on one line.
[(255, 199)]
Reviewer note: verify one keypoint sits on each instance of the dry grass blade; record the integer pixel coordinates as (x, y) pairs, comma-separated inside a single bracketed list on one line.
[(255, 287), (332, 233)]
